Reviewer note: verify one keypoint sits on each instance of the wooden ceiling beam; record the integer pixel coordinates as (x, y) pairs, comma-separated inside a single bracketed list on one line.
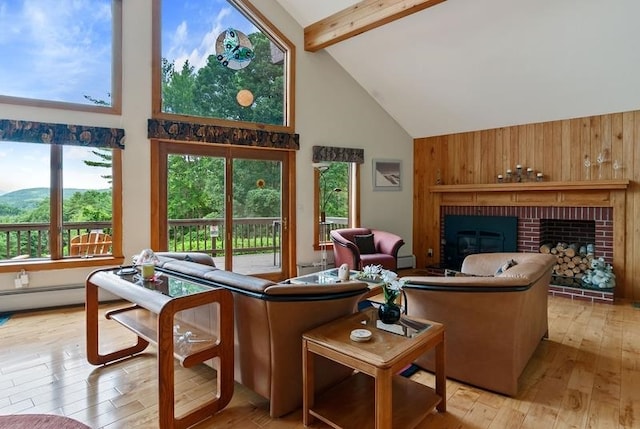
[(357, 19)]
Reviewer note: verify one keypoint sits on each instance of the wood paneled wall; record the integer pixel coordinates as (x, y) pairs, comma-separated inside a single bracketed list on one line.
[(558, 149)]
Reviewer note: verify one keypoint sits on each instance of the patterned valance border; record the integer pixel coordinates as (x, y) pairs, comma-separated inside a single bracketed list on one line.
[(337, 154), (61, 134), (193, 132)]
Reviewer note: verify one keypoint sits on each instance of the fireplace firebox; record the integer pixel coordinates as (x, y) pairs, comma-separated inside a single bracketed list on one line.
[(468, 234)]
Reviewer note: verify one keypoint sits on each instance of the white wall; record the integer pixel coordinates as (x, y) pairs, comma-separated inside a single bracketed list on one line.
[(331, 109)]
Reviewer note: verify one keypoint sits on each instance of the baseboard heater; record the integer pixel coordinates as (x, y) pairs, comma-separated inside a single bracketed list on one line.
[(407, 261), (44, 297)]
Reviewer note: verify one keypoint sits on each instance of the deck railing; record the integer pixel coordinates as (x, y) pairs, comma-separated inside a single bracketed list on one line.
[(249, 235)]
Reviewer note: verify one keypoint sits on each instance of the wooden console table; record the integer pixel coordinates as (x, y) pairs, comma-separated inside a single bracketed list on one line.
[(375, 395), (151, 318)]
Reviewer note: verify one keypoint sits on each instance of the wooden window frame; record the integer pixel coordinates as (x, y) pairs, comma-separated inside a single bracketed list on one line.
[(160, 149)]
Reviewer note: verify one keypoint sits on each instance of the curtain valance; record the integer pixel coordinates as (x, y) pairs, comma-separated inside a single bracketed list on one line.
[(337, 154), (216, 134), (61, 134)]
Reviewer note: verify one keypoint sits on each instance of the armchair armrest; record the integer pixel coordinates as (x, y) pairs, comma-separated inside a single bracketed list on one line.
[(387, 242), (341, 241)]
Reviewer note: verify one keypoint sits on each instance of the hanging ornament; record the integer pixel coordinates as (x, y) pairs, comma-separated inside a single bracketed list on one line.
[(234, 49), (244, 98)]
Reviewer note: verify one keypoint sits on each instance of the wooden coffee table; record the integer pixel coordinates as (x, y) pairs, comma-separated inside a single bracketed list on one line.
[(397, 402)]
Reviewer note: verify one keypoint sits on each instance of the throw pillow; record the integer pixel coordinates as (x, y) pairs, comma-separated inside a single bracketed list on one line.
[(504, 267), (365, 244)]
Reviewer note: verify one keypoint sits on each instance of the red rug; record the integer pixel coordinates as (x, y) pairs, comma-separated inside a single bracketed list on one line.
[(39, 421)]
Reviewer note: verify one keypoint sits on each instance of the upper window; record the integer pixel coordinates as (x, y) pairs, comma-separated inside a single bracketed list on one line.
[(223, 61), (61, 53)]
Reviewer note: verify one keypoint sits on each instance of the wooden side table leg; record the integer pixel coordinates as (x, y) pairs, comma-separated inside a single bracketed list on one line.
[(383, 399), (441, 378), (166, 387), (308, 382)]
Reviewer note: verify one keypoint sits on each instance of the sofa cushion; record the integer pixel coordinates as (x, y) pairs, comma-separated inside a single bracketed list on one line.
[(365, 244)]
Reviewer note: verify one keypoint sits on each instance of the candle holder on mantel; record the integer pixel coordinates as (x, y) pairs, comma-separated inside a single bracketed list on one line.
[(521, 175)]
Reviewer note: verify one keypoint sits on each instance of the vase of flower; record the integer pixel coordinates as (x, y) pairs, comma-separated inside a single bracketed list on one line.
[(389, 312)]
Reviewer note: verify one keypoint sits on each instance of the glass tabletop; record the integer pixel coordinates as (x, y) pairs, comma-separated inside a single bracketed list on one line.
[(406, 326), (329, 276), (164, 283)]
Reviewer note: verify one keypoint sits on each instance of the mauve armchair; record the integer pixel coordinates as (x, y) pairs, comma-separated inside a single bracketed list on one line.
[(358, 247)]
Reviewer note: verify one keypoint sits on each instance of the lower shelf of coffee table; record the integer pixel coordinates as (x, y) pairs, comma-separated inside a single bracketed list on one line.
[(351, 404), (144, 324)]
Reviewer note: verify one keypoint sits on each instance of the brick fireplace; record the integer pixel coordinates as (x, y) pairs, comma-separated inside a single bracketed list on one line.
[(597, 210), (531, 232), (530, 219)]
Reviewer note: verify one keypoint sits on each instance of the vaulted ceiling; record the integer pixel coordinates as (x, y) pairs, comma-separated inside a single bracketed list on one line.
[(462, 65)]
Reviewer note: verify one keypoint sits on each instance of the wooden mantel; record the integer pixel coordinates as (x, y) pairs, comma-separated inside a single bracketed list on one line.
[(600, 193), (534, 186)]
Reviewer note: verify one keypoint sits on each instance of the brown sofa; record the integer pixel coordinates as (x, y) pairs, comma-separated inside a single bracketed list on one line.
[(270, 319), (493, 322)]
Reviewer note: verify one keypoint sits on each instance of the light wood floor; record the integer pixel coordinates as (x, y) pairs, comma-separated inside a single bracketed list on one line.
[(586, 375)]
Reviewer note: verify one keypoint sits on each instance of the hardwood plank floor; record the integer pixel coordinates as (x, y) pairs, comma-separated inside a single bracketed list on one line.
[(586, 375)]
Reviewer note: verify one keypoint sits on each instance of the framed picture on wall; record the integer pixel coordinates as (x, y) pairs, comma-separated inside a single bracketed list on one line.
[(387, 175)]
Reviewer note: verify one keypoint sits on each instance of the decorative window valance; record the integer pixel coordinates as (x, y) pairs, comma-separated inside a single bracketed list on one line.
[(193, 132), (337, 154), (61, 134)]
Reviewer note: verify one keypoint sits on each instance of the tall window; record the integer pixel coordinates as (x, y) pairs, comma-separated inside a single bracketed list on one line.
[(221, 60), (336, 202), (61, 53), (336, 190), (57, 201)]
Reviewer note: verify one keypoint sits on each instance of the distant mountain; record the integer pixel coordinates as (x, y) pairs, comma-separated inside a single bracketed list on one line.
[(25, 199)]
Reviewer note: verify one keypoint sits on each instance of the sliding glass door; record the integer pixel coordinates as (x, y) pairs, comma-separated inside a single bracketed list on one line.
[(226, 202)]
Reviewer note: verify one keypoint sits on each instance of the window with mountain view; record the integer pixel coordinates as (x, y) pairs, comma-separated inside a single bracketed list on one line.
[(44, 215), (219, 62), (61, 53)]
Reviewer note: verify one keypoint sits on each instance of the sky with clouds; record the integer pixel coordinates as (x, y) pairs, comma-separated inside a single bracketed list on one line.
[(61, 50), (186, 38)]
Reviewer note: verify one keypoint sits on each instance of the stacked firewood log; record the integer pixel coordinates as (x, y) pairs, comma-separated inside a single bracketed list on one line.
[(572, 260)]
